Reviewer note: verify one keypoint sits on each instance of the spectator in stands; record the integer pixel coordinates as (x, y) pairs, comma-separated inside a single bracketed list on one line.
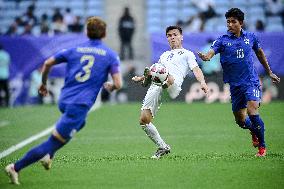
[(57, 15), (126, 30), (13, 28), (206, 10), (18, 21), (29, 17), (193, 24), (27, 29), (68, 17), (76, 27), (58, 26), (275, 8), (212, 67), (259, 26), (4, 76), (44, 24)]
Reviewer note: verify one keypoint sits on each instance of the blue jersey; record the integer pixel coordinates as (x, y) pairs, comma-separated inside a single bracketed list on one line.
[(236, 57), (88, 66)]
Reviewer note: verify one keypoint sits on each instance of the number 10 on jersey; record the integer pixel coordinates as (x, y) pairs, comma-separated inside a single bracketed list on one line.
[(256, 93)]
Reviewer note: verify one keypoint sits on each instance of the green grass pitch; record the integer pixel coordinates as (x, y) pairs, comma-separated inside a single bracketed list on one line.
[(112, 151)]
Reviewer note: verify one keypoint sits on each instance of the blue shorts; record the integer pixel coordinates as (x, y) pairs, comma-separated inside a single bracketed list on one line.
[(240, 95), (72, 119)]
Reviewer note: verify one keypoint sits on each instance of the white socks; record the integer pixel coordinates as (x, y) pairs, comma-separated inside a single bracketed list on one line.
[(152, 132)]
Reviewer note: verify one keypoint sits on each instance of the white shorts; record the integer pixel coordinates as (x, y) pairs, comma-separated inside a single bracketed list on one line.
[(152, 100), (174, 90)]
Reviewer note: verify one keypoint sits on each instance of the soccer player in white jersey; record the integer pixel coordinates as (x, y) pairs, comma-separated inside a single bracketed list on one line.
[(179, 63)]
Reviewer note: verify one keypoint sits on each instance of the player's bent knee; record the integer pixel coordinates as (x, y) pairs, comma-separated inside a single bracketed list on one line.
[(144, 120), (145, 117), (252, 107), (252, 110)]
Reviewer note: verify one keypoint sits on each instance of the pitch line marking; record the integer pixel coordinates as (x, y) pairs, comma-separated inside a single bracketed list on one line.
[(36, 137), (25, 142)]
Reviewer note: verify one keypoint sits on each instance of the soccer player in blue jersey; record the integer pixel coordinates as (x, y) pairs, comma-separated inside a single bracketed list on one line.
[(236, 50), (88, 67)]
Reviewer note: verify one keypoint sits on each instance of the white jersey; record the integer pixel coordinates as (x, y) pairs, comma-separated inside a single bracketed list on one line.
[(179, 63)]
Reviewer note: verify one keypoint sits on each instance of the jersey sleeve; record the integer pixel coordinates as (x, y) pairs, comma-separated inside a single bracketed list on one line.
[(217, 45), (61, 56), (114, 64), (256, 44), (160, 59), (191, 60)]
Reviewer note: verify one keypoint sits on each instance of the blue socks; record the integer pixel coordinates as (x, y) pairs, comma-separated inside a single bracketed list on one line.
[(35, 154), (248, 123), (258, 128)]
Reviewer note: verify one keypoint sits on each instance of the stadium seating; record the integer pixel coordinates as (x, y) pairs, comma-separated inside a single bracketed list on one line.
[(164, 12), (78, 8), (158, 13)]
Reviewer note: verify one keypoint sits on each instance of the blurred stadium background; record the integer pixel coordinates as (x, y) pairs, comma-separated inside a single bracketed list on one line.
[(209, 151), (31, 33)]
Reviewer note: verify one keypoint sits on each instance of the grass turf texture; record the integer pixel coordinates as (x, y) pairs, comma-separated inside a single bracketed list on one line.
[(112, 151)]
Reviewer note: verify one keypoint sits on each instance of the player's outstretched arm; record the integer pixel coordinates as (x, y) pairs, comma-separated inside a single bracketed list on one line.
[(45, 70), (206, 56), (263, 60), (138, 79), (145, 79), (200, 77)]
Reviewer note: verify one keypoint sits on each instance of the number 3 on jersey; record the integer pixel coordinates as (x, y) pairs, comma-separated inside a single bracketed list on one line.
[(84, 76)]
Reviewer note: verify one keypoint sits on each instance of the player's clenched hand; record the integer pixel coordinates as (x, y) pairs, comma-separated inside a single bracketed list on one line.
[(42, 90), (274, 78), (138, 78), (108, 86), (203, 56), (205, 89)]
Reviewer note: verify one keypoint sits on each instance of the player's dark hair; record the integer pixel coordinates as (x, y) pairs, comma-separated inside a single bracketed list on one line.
[(96, 28), (172, 28), (235, 13)]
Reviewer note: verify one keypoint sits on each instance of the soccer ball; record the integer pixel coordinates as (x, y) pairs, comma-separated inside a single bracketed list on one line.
[(159, 73)]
